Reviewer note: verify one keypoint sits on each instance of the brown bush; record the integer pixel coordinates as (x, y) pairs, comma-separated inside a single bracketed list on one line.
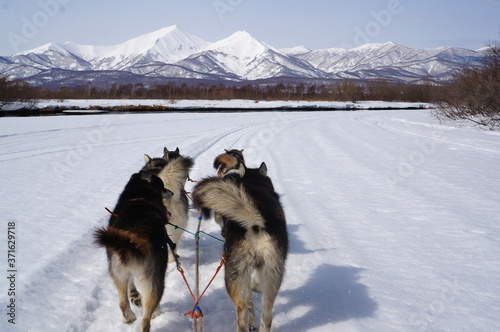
[(474, 93), (15, 91)]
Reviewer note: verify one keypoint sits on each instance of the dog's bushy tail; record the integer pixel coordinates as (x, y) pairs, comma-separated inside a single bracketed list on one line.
[(127, 245), (228, 198)]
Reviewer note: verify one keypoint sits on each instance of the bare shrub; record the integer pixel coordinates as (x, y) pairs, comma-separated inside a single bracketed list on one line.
[(16, 91), (474, 93)]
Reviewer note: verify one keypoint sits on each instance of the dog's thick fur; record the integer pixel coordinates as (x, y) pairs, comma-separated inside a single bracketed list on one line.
[(230, 164), (173, 169), (255, 232), (137, 245)]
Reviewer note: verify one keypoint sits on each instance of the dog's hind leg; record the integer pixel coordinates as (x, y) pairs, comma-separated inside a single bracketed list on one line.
[(122, 285), (128, 314), (250, 306), (268, 298), (151, 307), (121, 278), (237, 290), (152, 287), (270, 282)]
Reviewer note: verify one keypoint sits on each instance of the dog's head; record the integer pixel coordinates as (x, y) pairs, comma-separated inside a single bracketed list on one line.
[(155, 182), (168, 155), (230, 164), (155, 165)]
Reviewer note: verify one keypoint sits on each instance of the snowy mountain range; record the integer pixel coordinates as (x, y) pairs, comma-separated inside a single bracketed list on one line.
[(172, 54)]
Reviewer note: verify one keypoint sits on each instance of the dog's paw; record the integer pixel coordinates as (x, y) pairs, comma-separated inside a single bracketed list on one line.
[(129, 318), (135, 298)]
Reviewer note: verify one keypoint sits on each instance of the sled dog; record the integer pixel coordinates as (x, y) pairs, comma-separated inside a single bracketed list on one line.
[(173, 170), (255, 231), (230, 164), (137, 245)]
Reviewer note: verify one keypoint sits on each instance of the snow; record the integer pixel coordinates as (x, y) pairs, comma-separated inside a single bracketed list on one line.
[(294, 50), (393, 218), (169, 45), (239, 56), (240, 45), (242, 104), (43, 49), (237, 52)]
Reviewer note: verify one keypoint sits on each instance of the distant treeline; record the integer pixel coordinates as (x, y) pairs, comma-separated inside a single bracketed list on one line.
[(342, 90)]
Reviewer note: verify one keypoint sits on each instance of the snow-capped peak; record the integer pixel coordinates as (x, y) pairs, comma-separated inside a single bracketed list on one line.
[(239, 56), (144, 43), (86, 52), (295, 50), (54, 47), (241, 45), (168, 45), (160, 33), (375, 46)]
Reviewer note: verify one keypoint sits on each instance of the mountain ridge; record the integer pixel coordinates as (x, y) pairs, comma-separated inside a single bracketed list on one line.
[(172, 53)]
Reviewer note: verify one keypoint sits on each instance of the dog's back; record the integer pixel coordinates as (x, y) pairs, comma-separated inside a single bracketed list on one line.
[(260, 189), (256, 236), (136, 243), (173, 169)]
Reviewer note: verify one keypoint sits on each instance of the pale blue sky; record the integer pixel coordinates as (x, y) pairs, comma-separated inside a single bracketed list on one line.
[(316, 24)]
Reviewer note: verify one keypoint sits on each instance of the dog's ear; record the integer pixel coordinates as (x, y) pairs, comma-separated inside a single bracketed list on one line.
[(177, 150), (241, 170), (165, 153), (167, 194), (263, 169), (147, 158)]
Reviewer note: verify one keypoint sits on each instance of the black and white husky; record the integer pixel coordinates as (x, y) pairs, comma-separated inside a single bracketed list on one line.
[(255, 230), (173, 169), (137, 245)]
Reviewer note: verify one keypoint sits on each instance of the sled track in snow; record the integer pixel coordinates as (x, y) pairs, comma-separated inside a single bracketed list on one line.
[(363, 255)]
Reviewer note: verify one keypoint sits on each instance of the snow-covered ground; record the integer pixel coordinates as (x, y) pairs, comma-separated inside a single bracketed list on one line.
[(242, 104), (393, 218)]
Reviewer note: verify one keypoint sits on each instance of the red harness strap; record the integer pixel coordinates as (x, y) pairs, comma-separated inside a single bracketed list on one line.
[(112, 213), (196, 312)]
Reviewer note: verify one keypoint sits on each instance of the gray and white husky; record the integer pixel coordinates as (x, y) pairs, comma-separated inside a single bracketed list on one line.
[(137, 245), (256, 235), (173, 169)]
